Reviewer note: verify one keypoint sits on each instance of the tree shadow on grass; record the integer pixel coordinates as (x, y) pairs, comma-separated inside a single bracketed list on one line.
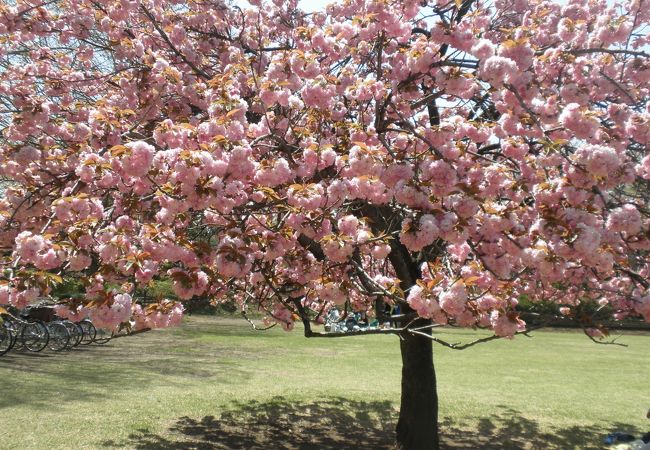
[(333, 423), (510, 430), (341, 424)]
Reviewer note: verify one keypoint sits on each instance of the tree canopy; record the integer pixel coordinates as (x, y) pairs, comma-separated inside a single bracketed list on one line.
[(449, 157)]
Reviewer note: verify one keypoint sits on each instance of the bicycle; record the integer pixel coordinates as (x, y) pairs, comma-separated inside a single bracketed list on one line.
[(29, 334), (59, 336), (103, 336), (89, 332), (68, 334), (76, 332), (6, 338)]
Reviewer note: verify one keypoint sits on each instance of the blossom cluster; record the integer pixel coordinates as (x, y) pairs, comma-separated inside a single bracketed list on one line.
[(297, 163)]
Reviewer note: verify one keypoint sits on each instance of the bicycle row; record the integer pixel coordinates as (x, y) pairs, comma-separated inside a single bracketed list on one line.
[(24, 333)]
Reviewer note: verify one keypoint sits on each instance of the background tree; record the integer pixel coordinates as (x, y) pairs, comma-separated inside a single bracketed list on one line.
[(446, 157)]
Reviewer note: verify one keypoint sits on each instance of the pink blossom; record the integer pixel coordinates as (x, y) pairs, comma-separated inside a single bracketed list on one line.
[(176, 314), (625, 219), (598, 160), (231, 265), (28, 245), (642, 306), (425, 305), (75, 315), (583, 126), (5, 294), (459, 251), (307, 197), (27, 155), (138, 162), (330, 292), (381, 251), (284, 317), (23, 298), (108, 252), (588, 240), (506, 326), (348, 225), (595, 333), (110, 316), (643, 169), (276, 174), (318, 94), (453, 300), (489, 302), (338, 250), (146, 271), (416, 236), (638, 127), (498, 70), (483, 49), (47, 260), (441, 173), (188, 284)]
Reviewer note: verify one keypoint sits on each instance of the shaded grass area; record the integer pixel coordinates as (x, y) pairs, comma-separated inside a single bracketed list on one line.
[(215, 384), (343, 424)]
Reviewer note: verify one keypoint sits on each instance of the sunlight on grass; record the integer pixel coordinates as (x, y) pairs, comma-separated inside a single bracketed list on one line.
[(176, 388)]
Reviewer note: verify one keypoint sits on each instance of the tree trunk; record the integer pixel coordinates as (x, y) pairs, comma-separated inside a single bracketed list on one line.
[(417, 427)]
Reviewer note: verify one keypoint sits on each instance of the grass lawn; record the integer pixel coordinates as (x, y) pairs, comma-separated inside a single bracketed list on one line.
[(216, 384)]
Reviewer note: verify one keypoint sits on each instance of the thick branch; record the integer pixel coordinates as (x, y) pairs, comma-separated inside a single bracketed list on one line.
[(313, 246), (404, 265)]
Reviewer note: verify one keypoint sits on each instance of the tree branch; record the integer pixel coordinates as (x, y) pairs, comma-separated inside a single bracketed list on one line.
[(459, 346), (162, 33), (586, 51)]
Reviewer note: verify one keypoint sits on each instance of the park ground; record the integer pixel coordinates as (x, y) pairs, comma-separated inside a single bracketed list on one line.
[(214, 383)]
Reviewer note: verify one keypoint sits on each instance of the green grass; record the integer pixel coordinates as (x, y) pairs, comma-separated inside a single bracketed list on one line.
[(214, 383)]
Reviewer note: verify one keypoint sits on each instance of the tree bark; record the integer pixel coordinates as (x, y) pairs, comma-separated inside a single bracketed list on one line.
[(417, 427)]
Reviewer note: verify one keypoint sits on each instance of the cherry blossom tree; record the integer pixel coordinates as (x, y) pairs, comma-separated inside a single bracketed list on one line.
[(448, 157)]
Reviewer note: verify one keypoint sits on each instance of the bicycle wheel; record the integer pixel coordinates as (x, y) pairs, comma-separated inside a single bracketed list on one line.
[(6, 339), (76, 333), (35, 336), (89, 332), (103, 336), (59, 336), (14, 331)]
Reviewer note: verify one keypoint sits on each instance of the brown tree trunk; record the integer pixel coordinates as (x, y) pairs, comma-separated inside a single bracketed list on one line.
[(417, 427)]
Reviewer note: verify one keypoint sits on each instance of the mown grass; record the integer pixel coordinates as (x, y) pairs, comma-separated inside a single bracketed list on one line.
[(216, 384)]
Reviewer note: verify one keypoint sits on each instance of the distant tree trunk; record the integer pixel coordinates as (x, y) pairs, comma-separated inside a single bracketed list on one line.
[(417, 427)]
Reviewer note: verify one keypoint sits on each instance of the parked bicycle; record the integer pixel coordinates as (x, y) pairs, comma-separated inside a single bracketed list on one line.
[(6, 339), (103, 336), (28, 334), (38, 327), (59, 336), (75, 331), (89, 332)]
